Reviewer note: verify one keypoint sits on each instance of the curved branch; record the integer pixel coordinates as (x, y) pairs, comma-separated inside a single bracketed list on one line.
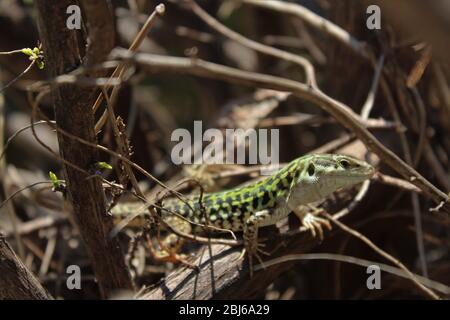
[(341, 112)]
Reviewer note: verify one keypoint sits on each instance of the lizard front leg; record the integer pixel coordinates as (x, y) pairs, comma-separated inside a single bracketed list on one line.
[(252, 247), (311, 221)]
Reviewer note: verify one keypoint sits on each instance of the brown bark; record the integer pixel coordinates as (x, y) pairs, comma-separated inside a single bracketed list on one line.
[(63, 50), (226, 277), (16, 281)]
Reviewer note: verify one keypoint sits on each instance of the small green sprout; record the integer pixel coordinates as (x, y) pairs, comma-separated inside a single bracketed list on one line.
[(27, 51), (103, 165), (35, 54), (54, 179)]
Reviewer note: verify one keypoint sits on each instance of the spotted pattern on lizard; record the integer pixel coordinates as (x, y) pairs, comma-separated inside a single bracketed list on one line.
[(304, 180)]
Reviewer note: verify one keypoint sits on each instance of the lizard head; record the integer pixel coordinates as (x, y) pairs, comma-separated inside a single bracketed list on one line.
[(322, 174)]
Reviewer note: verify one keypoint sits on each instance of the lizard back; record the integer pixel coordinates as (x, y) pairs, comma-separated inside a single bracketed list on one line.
[(229, 209)]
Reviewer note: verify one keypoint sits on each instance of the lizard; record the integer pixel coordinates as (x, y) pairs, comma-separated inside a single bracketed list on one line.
[(303, 181)]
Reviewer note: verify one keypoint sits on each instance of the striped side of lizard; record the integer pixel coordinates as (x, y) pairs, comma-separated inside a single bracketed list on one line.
[(304, 180)]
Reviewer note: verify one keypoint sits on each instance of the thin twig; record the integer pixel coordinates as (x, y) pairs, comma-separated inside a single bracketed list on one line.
[(11, 196), (340, 111), (396, 182), (284, 55), (368, 105), (28, 68), (121, 69), (4, 53), (314, 20), (131, 163), (383, 254), (357, 261), (15, 134)]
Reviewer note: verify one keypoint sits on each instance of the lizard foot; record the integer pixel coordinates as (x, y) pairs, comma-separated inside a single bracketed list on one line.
[(253, 251), (175, 258), (165, 254), (315, 224)]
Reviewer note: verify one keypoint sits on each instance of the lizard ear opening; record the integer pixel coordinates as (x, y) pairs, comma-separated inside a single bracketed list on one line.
[(311, 169)]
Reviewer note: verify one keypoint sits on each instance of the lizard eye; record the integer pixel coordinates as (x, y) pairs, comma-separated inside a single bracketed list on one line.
[(311, 169), (345, 164)]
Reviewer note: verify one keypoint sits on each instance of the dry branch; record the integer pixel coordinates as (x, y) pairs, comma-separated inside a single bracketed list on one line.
[(220, 276), (341, 112), (16, 281), (314, 20), (73, 114)]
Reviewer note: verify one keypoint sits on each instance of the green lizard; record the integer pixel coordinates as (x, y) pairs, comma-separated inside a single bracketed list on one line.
[(304, 180)]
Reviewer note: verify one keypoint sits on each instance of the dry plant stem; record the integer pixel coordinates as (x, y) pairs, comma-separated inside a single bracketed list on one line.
[(114, 231), (307, 42), (121, 69), (419, 233), (11, 196), (45, 222), (317, 21), (423, 146), (37, 224), (368, 105), (6, 53), (303, 119), (81, 81), (314, 20), (48, 255), (419, 67), (409, 160), (414, 197), (56, 155), (357, 261), (228, 273), (186, 284), (365, 111), (338, 33), (338, 110), (73, 114), (356, 200), (422, 115), (442, 86), (396, 182), (16, 281), (18, 76), (284, 55), (4, 182), (439, 172), (123, 150), (15, 134), (132, 164), (35, 106), (385, 255)]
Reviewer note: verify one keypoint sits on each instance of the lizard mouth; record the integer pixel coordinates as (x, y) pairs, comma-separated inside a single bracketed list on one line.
[(356, 174)]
